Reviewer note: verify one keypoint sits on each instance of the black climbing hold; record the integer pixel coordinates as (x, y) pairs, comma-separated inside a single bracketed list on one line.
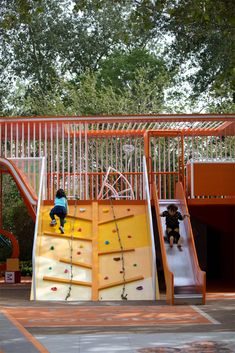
[(140, 288), (116, 258)]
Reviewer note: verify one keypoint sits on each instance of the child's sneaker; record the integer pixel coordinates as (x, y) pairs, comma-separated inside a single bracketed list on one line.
[(171, 242), (53, 223), (179, 247), (61, 229)]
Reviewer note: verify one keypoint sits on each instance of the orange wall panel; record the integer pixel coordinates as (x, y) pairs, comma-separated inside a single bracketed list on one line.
[(214, 179)]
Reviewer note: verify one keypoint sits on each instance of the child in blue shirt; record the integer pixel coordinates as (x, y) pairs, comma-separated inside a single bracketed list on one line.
[(60, 209)]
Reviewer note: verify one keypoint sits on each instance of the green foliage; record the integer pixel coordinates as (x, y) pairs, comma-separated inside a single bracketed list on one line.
[(16, 218), (140, 95), (26, 268), (48, 48), (5, 248), (204, 33)]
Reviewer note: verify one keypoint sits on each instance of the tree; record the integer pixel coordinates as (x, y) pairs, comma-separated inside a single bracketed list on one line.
[(91, 97), (204, 32)]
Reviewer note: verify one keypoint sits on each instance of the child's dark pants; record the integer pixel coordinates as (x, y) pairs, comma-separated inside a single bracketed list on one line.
[(59, 211), (173, 233)]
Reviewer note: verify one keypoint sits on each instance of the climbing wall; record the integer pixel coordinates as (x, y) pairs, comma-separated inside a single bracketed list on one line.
[(105, 254)]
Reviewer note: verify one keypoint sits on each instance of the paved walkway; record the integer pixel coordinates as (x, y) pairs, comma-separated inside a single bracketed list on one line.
[(134, 327)]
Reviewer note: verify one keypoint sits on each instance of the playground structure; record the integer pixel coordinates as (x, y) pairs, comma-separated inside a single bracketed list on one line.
[(119, 173)]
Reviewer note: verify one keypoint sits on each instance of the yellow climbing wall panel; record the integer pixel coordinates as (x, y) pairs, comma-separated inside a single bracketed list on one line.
[(105, 254)]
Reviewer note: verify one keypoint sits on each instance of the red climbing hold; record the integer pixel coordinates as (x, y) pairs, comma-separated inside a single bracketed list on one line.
[(79, 229), (128, 209), (79, 253), (54, 289), (66, 271), (106, 277), (129, 236)]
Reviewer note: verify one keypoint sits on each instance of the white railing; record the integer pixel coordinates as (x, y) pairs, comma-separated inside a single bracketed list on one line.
[(148, 201), (37, 225)]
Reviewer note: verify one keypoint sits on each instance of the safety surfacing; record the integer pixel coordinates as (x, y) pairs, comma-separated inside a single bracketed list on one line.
[(109, 316)]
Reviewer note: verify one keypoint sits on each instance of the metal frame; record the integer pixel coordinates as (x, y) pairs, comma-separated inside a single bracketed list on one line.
[(79, 149)]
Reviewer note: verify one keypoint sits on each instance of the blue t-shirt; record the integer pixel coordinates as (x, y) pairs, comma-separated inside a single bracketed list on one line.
[(61, 202)]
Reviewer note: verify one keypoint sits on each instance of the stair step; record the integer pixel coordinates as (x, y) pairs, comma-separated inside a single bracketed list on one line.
[(190, 289), (188, 296), (186, 299)]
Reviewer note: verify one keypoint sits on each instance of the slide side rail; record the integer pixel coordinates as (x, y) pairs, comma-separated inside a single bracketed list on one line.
[(169, 276), (199, 275)]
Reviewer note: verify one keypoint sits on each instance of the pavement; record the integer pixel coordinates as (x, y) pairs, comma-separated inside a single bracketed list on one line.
[(126, 326)]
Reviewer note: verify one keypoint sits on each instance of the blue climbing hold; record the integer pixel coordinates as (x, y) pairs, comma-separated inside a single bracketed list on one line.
[(107, 242)]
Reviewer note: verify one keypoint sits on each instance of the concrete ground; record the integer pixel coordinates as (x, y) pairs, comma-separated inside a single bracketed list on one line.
[(133, 327)]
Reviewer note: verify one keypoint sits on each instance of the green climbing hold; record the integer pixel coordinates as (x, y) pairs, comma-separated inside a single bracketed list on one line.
[(50, 268), (52, 248)]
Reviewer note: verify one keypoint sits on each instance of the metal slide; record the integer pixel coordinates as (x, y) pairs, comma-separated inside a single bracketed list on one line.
[(187, 280), (179, 262)]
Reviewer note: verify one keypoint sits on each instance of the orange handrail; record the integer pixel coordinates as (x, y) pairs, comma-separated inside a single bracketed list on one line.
[(169, 277)]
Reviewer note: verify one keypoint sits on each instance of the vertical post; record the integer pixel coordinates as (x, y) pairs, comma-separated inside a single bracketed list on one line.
[(95, 256), (63, 157), (86, 162), (146, 147), (147, 157), (182, 161), (52, 164), (80, 161), (0, 200), (68, 153), (5, 140)]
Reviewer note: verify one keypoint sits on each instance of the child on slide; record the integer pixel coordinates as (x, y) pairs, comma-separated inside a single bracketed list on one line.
[(60, 209), (173, 216)]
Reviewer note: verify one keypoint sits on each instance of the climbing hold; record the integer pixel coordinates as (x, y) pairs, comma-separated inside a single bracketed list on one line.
[(134, 265), (54, 289), (50, 268), (114, 230), (121, 271), (81, 246), (139, 288), (116, 258), (128, 209), (82, 210), (66, 271), (106, 277), (105, 210), (129, 236), (79, 253), (52, 248), (79, 229), (106, 242)]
